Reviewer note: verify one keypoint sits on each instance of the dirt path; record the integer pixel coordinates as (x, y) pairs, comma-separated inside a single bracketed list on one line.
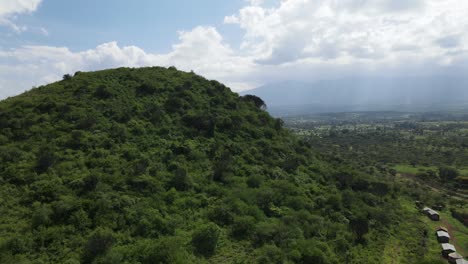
[(453, 237)]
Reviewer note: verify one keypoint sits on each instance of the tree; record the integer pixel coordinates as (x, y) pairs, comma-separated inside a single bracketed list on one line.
[(165, 250), (182, 181), (270, 254), (360, 226), (41, 215), (243, 227), (98, 244), (102, 92), (447, 173), (257, 101), (46, 158)]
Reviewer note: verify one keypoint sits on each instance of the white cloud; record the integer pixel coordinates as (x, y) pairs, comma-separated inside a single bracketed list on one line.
[(352, 29), (294, 39), (9, 9), (201, 50)]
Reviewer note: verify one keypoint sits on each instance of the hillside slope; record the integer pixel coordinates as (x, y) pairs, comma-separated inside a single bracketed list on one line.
[(155, 165)]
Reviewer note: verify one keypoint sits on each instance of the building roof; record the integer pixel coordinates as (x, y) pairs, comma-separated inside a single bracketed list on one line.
[(461, 261), (441, 228), (455, 255), (432, 212), (448, 246), (442, 234), (426, 209)]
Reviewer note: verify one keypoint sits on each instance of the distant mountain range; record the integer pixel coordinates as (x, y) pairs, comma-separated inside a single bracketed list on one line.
[(364, 94)]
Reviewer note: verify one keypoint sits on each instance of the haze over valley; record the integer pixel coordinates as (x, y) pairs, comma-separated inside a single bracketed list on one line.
[(365, 94)]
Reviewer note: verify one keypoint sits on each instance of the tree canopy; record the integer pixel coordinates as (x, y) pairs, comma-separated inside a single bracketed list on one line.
[(156, 165)]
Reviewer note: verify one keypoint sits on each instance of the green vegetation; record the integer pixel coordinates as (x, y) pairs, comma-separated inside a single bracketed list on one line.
[(431, 146), (424, 155), (155, 165)]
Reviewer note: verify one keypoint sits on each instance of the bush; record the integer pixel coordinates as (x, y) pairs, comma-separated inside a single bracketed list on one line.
[(41, 216), (205, 239), (102, 92), (98, 244), (255, 181), (447, 173), (146, 89), (243, 227), (165, 250), (270, 254)]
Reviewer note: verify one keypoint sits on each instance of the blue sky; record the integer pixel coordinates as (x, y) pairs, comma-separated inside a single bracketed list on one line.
[(151, 25), (243, 43)]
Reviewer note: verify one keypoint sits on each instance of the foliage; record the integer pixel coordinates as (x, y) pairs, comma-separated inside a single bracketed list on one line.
[(156, 165), (205, 239)]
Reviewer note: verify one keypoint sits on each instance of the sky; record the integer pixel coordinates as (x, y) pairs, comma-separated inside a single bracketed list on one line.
[(242, 43)]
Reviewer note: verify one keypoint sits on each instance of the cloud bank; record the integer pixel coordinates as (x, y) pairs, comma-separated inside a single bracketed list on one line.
[(294, 39)]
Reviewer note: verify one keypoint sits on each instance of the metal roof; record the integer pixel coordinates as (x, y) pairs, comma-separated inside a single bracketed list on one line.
[(442, 228), (442, 234), (461, 261), (455, 255), (432, 212), (448, 246)]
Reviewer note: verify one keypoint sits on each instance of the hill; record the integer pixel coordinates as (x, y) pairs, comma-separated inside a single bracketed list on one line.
[(156, 165), (365, 94)]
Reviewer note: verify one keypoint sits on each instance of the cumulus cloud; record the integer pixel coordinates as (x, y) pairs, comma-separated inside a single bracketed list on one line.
[(10, 8), (201, 50), (376, 30)]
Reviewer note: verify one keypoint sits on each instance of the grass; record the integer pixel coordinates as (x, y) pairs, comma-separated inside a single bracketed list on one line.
[(463, 171), (457, 230), (409, 240), (403, 168)]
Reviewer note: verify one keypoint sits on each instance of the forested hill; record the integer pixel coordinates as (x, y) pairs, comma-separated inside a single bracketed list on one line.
[(156, 165)]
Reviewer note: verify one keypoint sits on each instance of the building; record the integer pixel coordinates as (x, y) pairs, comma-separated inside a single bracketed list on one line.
[(433, 215), (452, 257), (443, 237), (447, 249), (461, 261)]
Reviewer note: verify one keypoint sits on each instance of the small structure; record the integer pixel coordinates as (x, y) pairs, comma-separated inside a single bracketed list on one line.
[(441, 228), (426, 209), (461, 261), (433, 215), (443, 237), (452, 257), (447, 249)]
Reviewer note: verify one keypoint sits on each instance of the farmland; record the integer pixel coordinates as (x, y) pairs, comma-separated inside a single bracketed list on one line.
[(424, 154)]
